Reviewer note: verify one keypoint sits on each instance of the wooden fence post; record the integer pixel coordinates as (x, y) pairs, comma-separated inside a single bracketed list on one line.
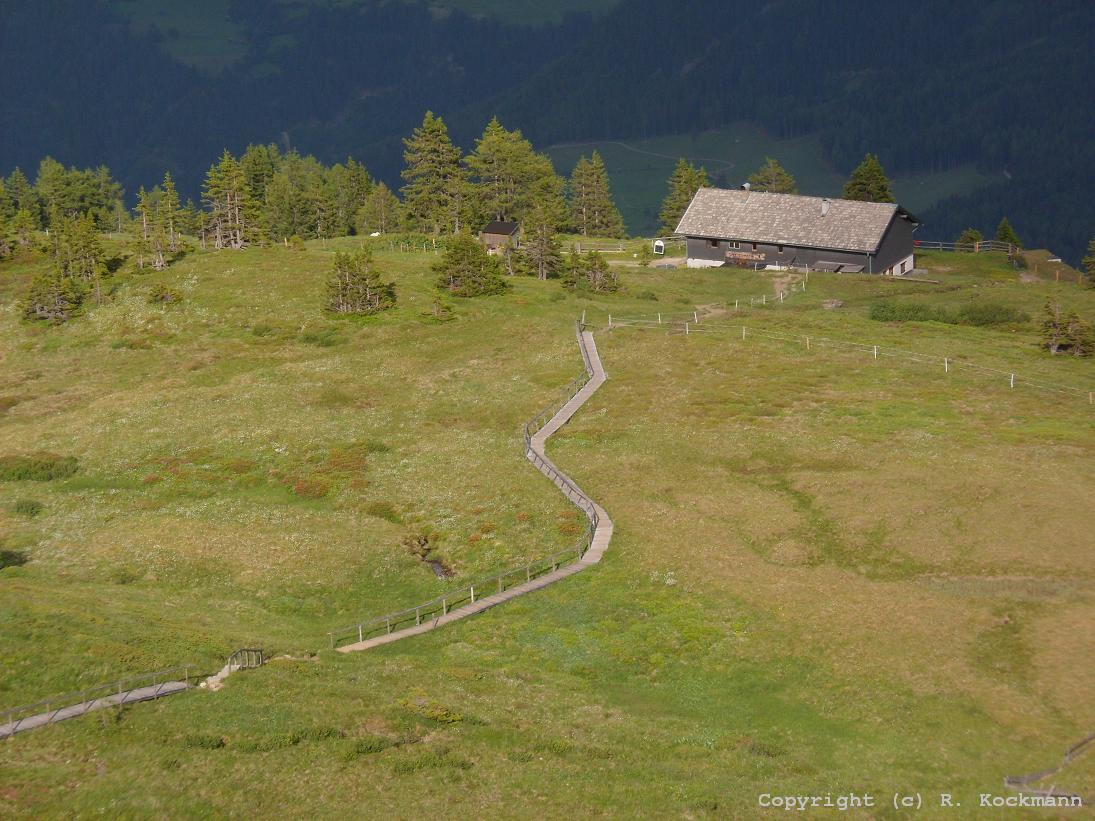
[(1013, 380)]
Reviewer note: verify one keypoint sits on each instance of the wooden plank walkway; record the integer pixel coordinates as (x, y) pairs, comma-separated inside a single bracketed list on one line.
[(601, 537), (133, 696)]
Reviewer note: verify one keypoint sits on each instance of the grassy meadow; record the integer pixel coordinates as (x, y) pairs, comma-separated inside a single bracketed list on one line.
[(829, 573)]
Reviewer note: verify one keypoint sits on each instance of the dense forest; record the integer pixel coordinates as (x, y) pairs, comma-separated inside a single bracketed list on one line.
[(1003, 85)]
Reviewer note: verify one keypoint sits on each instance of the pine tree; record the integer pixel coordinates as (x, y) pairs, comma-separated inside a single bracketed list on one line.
[(540, 249), (590, 272), (7, 207), (349, 186), (436, 190), (86, 260), (23, 226), (355, 287), (774, 178), (510, 178), (1005, 233), (592, 210), (1078, 335), (868, 182), (23, 197), (232, 221), (168, 213), (685, 181), (466, 269), (970, 237), (142, 229), (1054, 334), (6, 246), (381, 211), (1089, 263), (259, 163), (52, 297)]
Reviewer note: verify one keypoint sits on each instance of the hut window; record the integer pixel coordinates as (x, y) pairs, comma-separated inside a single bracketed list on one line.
[(712, 243)]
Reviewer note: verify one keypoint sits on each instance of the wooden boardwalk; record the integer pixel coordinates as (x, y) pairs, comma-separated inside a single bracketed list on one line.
[(133, 696), (601, 537)]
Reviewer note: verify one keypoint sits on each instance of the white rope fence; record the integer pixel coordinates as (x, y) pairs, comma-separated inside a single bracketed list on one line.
[(809, 341)]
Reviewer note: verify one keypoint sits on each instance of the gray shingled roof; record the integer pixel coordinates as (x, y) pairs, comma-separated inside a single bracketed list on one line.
[(788, 219)]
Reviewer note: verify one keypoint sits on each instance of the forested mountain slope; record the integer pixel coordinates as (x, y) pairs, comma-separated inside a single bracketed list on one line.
[(1001, 85)]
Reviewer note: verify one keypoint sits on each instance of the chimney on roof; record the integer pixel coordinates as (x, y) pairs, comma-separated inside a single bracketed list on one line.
[(745, 186), (825, 206)]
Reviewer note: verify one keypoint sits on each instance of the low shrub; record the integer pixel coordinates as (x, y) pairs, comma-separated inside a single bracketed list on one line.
[(203, 741), (369, 745), (322, 339), (37, 467), (28, 507), (161, 294), (648, 295), (990, 313), (906, 312), (430, 760), (385, 511)]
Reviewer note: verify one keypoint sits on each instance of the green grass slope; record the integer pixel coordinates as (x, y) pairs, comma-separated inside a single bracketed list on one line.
[(829, 573)]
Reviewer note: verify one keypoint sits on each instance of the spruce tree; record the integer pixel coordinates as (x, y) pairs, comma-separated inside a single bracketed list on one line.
[(52, 297), (510, 178), (592, 210), (23, 226), (685, 181), (259, 163), (232, 220), (774, 178), (23, 197), (1089, 263), (970, 237), (590, 272), (355, 287), (7, 207), (142, 229), (540, 248), (436, 184), (349, 187), (1005, 233), (86, 260), (868, 182), (466, 269), (168, 213), (381, 211)]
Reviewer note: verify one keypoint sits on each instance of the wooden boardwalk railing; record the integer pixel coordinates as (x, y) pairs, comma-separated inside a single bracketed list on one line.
[(485, 593)]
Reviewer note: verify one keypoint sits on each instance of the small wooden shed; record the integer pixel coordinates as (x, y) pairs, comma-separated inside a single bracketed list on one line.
[(498, 235)]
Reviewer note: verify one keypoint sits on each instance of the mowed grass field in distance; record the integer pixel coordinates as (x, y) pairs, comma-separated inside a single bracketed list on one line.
[(829, 573)]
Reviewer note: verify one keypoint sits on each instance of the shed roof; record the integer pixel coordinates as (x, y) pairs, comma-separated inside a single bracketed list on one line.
[(789, 219), (499, 227)]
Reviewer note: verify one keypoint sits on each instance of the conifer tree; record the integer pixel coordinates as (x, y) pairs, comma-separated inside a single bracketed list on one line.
[(52, 297), (685, 181), (590, 272), (355, 287), (381, 211), (540, 250), (23, 225), (970, 237), (7, 207), (1005, 233), (23, 197), (349, 186), (6, 246), (259, 163), (142, 229), (168, 213), (466, 269), (1089, 263), (592, 210), (232, 222), (774, 178), (510, 177), (868, 182), (86, 260), (435, 194)]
